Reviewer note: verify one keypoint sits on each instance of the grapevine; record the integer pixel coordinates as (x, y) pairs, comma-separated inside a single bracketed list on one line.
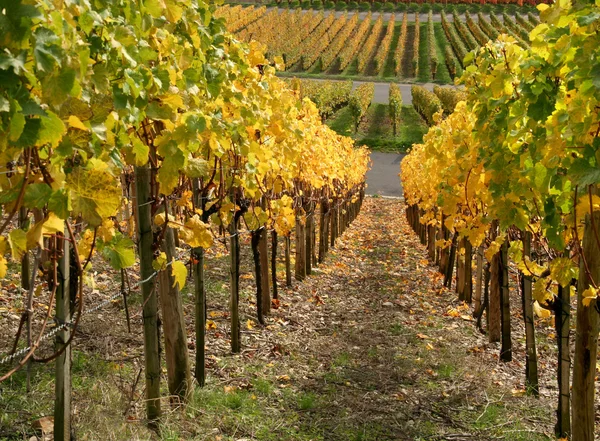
[(433, 58), (366, 51), (398, 56), (355, 42), (416, 46), (360, 101)]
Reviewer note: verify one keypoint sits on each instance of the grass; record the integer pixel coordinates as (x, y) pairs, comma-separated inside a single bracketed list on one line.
[(376, 131), (388, 70), (442, 75), (424, 75)]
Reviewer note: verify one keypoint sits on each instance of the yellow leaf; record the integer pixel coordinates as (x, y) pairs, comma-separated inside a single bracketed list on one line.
[(95, 192), (453, 312), (174, 101), (518, 392), (589, 295), (211, 325), (53, 224), (196, 233), (18, 243), (106, 232), (159, 219), (539, 311), (3, 267), (179, 272), (76, 123), (250, 324)]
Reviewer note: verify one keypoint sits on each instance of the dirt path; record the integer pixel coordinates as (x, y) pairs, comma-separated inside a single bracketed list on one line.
[(407, 55)]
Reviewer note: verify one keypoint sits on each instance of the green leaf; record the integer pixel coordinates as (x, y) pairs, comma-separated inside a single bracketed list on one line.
[(37, 195), (52, 130), (583, 173), (563, 270), (196, 168), (57, 87), (59, 204), (17, 63), (120, 253), (156, 110), (30, 133), (47, 51), (17, 124), (179, 273), (140, 151)]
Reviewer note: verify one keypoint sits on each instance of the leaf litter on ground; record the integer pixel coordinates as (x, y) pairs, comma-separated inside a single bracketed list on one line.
[(370, 347)]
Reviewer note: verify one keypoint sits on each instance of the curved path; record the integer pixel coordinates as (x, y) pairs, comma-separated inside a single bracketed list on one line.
[(383, 179)]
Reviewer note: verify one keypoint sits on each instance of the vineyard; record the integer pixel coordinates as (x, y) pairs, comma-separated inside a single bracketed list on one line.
[(317, 43), (190, 247)]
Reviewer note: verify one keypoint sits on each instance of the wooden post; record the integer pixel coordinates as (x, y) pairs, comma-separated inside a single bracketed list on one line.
[(478, 282), (274, 263), (531, 368), (300, 250), (444, 252), (24, 224), (176, 350), (323, 239), (263, 247), (450, 262), (494, 301), (150, 302), (586, 337), (562, 321), (313, 246), (200, 313), (422, 228), (431, 239), (468, 276), (460, 270), (288, 260), (308, 238), (234, 247), (506, 349), (258, 274), (334, 223), (62, 402)]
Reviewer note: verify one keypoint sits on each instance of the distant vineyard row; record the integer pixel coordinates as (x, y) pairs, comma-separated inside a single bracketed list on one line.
[(400, 5), (316, 42)]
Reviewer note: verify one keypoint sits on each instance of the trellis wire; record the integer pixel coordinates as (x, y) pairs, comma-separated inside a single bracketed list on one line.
[(62, 326)]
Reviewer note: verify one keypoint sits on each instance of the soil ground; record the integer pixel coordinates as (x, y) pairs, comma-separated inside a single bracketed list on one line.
[(370, 347)]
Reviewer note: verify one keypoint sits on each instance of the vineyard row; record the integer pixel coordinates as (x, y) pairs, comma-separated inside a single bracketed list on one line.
[(316, 42)]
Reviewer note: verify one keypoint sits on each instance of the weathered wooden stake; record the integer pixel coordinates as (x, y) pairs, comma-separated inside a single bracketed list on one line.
[(234, 301), (62, 402), (150, 302), (531, 367)]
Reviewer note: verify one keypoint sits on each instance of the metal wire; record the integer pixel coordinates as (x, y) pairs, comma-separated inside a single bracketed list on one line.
[(61, 326)]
